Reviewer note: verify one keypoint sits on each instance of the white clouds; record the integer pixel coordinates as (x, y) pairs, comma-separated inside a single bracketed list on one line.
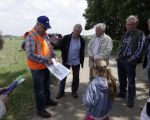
[(18, 16)]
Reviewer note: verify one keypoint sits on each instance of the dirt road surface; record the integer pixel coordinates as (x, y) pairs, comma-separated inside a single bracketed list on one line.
[(70, 108)]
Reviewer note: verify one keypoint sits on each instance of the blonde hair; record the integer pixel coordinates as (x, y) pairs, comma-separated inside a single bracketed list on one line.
[(1, 41), (101, 70)]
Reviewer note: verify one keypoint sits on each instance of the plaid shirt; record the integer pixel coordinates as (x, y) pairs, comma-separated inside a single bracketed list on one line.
[(125, 46), (148, 52), (30, 47)]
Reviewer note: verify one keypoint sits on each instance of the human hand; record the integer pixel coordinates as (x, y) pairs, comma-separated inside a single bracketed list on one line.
[(2, 89), (4, 99), (50, 62), (129, 60)]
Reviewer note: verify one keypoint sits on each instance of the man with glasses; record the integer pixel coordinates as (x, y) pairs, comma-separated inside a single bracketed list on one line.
[(39, 53), (129, 54)]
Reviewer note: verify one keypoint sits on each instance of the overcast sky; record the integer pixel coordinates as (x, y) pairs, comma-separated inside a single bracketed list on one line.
[(19, 16)]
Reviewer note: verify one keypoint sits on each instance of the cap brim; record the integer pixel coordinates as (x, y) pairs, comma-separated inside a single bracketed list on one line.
[(47, 26)]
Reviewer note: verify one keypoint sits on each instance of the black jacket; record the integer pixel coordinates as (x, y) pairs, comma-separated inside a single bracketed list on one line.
[(64, 46)]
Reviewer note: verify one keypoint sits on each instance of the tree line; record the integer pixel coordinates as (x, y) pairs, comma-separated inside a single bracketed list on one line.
[(114, 14)]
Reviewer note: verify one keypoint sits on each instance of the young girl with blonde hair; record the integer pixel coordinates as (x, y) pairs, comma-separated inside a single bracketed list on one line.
[(99, 96)]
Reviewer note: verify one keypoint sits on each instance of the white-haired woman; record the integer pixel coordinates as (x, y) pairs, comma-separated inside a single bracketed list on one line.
[(99, 47)]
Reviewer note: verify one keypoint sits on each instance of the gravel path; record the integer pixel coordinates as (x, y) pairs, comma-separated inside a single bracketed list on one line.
[(73, 109)]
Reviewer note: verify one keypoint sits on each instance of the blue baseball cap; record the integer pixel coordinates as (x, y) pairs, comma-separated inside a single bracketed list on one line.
[(44, 20)]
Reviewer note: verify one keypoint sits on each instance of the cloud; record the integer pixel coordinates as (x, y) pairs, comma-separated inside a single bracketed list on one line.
[(19, 16)]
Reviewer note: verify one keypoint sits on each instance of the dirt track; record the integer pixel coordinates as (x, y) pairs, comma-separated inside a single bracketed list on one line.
[(73, 109)]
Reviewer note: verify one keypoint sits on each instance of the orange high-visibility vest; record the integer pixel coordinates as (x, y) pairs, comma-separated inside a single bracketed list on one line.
[(42, 48)]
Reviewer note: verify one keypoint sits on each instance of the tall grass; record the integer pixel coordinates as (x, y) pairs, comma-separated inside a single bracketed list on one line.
[(13, 64)]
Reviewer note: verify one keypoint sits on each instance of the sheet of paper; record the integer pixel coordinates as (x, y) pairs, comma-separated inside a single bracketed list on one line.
[(58, 70)]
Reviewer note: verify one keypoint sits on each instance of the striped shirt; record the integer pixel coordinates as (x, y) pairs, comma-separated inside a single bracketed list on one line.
[(148, 52), (125, 46), (30, 47)]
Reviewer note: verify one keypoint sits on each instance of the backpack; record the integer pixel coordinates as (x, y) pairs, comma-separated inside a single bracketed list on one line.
[(24, 41)]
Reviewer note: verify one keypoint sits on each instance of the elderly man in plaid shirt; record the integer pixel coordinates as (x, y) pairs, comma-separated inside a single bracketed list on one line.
[(39, 53), (129, 54)]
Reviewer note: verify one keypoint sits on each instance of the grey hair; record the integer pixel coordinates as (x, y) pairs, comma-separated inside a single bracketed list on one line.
[(133, 19), (102, 26), (78, 26)]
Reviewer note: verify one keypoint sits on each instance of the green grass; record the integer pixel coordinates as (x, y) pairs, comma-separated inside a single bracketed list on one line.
[(12, 64)]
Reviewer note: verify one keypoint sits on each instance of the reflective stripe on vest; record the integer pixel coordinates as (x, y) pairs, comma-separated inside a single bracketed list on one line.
[(42, 49)]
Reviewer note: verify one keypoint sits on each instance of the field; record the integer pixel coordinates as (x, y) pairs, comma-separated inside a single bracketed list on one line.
[(12, 64)]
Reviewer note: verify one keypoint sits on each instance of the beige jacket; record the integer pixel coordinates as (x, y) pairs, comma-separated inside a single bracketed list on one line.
[(103, 51)]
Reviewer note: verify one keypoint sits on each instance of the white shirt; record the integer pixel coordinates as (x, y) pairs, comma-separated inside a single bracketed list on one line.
[(144, 115), (2, 109)]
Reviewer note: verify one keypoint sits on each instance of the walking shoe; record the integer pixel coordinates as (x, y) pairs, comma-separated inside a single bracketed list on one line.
[(75, 95), (51, 103), (60, 95), (120, 95), (44, 114), (130, 103)]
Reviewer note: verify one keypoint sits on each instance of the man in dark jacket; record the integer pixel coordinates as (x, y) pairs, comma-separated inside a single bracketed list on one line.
[(72, 48), (129, 53)]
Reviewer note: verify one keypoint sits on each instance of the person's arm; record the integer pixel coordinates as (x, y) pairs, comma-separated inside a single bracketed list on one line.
[(3, 103), (30, 47), (139, 50), (82, 52), (91, 97), (89, 48), (2, 109)]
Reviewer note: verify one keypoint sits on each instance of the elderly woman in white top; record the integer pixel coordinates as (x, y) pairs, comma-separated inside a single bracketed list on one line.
[(99, 47)]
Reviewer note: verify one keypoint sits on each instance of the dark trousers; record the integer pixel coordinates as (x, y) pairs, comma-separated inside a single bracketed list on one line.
[(126, 71), (41, 80), (75, 82)]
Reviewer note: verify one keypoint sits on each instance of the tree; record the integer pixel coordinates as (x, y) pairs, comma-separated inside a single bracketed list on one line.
[(114, 13)]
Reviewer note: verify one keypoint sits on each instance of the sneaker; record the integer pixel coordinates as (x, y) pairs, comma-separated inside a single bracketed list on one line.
[(51, 103), (75, 95), (44, 114), (120, 95), (60, 95), (130, 103)]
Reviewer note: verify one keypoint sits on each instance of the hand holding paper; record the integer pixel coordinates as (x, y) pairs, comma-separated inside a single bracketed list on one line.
[(13, 85), (58, 70)]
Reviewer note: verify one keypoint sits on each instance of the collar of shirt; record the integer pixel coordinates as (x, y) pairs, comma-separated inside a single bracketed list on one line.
[(35, 28), (101, 38)]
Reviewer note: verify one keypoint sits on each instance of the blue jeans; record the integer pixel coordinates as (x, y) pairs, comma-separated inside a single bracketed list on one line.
[(41, 79), (126, 70), (75, 82)]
